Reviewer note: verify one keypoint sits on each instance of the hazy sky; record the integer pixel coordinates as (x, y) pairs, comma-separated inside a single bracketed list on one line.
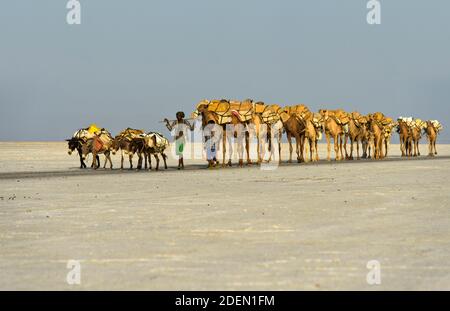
[(132, 63)]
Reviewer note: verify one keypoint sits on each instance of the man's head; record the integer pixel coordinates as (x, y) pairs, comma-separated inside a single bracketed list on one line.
[(180, 115)]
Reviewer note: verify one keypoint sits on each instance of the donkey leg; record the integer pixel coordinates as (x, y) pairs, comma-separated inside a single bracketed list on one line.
[(130, 158), (157, 161), (164, 156)]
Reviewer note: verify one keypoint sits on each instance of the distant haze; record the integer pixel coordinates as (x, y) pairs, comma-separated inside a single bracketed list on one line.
[(132, 63)]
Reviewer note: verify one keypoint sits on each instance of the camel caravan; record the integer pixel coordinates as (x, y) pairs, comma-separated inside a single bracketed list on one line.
[(225, 123)]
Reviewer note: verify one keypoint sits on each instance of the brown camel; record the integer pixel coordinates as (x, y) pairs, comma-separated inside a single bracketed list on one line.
[(404, 132), (377, 134), (294, 128), (388, 135), (431, 133), (271, 128), (210, 117), (313, 133), (357, 132), (332, 129), (416, 135)]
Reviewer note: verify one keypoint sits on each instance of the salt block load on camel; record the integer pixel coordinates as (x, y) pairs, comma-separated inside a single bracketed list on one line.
[(223, 112)]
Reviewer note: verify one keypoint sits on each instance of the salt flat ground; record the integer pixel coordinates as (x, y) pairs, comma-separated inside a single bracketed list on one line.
[(298, 227)]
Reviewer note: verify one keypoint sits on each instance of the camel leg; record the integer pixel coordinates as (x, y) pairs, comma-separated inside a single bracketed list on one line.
[(340, 146), (402, 146), (224, 146), (247, 147), (327, 136), (434, 144), (279, 146), (317, 150), (336, 147), (345, 146), (357, 150), (418, 148), (289, 138), (149, 161), (298, 148), (351, 148)]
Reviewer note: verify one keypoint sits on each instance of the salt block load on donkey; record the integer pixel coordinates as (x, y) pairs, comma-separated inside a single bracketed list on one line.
[(223, 113), (79, 138)]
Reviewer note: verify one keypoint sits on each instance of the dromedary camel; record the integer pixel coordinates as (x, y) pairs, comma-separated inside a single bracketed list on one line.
[(377, 134), (405, 138), (416, 135), (332, 129), (210, 117), (357, 132), (313, 133), (431, 133), (294, 128)]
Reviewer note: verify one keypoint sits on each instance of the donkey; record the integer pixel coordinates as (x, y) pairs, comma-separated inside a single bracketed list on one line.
[(155, 143), (99, 144), (76, 142)]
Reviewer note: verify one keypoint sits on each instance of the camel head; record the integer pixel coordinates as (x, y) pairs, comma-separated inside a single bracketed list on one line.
[(201, 107)]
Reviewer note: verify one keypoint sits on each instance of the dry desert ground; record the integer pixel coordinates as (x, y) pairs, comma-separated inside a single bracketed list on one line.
[(296, 227)]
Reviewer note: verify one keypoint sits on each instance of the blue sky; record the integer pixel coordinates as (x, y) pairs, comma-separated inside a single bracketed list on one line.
[(132, 63)]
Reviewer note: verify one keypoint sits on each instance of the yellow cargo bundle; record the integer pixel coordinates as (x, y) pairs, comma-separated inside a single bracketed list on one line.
[(93, 128)]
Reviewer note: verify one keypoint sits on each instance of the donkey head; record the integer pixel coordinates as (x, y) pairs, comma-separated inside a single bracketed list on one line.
[(86, 148), (73, 144)]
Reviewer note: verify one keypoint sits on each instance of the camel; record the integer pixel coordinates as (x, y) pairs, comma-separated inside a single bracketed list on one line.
[(416, 135), (332, 129), (129, 143), (404, 132), (388, 135), (99, 144), (211, 117), (432, 130), (357, 132), (294, 128), (313, 133), (270, 127), (376, 136)]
